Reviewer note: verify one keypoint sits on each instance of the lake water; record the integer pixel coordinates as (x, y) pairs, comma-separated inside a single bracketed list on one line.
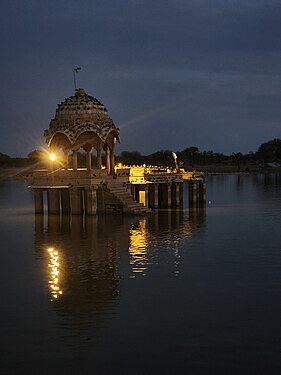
[(191, 292)]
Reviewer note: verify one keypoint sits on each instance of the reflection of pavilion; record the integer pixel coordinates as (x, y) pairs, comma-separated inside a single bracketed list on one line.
[(167, 229), (85, 256), (138, 246), (82, 273)]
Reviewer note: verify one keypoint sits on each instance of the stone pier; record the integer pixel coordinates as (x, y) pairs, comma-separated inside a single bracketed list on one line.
[(80, 192)]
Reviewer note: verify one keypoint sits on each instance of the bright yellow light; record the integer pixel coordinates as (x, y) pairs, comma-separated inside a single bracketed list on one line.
[(138, 248), (120, 165), (53, 157), (54, 283)]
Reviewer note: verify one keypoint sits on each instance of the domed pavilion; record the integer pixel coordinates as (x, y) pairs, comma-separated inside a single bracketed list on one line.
[(82, 121)]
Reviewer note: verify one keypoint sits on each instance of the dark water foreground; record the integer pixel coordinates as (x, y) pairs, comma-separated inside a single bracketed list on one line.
[(192, 292)]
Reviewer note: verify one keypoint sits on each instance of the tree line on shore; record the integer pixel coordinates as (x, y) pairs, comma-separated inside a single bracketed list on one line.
[(267, 152)]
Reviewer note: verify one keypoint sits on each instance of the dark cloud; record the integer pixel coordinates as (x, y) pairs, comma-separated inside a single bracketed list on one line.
[(171, 73)]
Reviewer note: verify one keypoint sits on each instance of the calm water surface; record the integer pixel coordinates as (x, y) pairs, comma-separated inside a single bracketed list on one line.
[(192, 292)]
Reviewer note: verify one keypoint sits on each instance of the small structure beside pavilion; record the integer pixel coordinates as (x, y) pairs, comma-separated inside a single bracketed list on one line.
[(81, 123)]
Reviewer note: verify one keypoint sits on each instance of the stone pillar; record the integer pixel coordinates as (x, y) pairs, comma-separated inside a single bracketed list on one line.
[(108, 159), (38, 200), (192, 191), (155, 196), (99, 160), (112, 160), (146, 195), (89, 160), (74, 160), (202, 192), (91, 201), (181, 193), (53, 201), (133, 192), (76, 201), (177, 194), (65, 201), (169, 195), (100, 200), (65, 159)]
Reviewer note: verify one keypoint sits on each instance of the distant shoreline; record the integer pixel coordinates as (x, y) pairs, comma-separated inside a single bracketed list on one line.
[(212, 169), (233, 169)]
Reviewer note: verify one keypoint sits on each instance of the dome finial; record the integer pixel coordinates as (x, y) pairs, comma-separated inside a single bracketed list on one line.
[(75, 71), (80, 92)]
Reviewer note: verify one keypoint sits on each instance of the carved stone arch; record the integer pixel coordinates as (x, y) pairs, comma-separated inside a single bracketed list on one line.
[(60, 140), (88, 138)]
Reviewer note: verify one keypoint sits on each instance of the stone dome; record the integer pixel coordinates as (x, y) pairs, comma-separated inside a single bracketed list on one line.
[(81, 119)]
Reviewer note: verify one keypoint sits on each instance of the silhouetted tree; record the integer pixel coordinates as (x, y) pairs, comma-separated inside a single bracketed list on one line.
[(237, 157), (5, 160), (131, 158), (270, 151), (190, 153), (35, 156), (163, 157)]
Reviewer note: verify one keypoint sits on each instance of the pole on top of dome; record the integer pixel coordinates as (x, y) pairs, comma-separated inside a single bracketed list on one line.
[(75, 71)]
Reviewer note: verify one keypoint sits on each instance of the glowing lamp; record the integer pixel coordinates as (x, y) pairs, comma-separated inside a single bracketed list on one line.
[(53, 157)]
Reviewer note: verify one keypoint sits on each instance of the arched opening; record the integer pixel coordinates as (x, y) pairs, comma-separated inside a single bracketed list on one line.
[(60, 145), (88, 141)]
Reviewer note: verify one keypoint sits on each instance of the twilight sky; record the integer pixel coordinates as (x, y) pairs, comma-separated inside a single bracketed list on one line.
[(172, 74)]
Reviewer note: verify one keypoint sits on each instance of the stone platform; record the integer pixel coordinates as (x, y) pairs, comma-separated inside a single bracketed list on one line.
[(130, 190)]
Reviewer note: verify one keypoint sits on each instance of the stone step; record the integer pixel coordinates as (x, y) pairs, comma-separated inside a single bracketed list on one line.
[(125, 197), (133, 203), (120, 192)]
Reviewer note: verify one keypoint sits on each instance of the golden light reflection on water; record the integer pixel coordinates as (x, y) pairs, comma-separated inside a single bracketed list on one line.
[(138, 247), (54, 282)]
